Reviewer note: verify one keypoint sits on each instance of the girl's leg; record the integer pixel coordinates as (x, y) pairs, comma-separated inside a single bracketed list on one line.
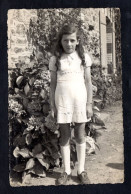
[(65, 135), (79, 132)]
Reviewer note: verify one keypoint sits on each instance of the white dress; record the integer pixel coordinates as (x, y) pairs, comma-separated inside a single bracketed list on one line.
[(70, 93)]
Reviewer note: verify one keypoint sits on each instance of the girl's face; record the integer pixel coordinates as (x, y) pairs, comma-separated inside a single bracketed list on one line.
[(69, 42)]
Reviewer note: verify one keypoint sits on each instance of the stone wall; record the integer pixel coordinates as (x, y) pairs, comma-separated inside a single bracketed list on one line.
[(18, 24)]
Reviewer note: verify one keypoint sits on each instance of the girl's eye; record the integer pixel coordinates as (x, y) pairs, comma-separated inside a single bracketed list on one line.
[(69, 40)]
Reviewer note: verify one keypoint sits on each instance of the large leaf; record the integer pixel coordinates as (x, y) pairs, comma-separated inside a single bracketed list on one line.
[(26, 177), (97, 120), (16, 152), (44, 162), (37, 149), (30, 164), (50, 123), (23, 152), (26, 89), (39, 156), (97, 100), (28, 139), (95, 108), (19, 80), (38, 170), (19, 167), (19, 140), (97, 127), (22, 94), (31, 81)]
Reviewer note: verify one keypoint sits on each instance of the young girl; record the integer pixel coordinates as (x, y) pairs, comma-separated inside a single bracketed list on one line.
[(71, 97)]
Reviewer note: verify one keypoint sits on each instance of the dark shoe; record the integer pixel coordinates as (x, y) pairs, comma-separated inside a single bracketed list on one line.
[(83, 178), (62, 180)]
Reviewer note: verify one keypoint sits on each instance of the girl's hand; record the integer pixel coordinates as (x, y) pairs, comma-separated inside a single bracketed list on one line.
[(54, 112), (89, 110)]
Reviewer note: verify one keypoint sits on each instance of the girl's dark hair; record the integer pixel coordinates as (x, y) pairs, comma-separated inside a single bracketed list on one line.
[(69, 29)]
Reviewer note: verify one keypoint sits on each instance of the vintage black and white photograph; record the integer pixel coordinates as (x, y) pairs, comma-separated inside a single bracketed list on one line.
[(65, 96)]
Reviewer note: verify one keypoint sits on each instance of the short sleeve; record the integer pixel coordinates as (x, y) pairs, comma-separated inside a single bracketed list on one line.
[(52, 64), (88, 60)]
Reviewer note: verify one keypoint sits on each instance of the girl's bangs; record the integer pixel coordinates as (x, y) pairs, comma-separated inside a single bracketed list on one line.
[(69, 29)]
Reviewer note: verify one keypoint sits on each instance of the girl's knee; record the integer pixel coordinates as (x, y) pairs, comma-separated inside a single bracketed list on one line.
[(64, 139), (64, 142), (65, 134), (80, 140), (79, 132)]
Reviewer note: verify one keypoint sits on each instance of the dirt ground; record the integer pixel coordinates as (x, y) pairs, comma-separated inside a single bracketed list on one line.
[(106, 165)]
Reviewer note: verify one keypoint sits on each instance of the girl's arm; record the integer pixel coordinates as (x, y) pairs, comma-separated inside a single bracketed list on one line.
[(88, 84), (53, 75)]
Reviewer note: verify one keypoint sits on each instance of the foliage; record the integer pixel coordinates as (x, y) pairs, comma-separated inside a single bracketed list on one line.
[(108, 88)]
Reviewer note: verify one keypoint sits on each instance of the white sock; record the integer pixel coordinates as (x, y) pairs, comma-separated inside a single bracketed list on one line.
[(65, 151), (81, 151)]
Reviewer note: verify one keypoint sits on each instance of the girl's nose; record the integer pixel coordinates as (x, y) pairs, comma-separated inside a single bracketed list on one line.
[(69, 43)]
